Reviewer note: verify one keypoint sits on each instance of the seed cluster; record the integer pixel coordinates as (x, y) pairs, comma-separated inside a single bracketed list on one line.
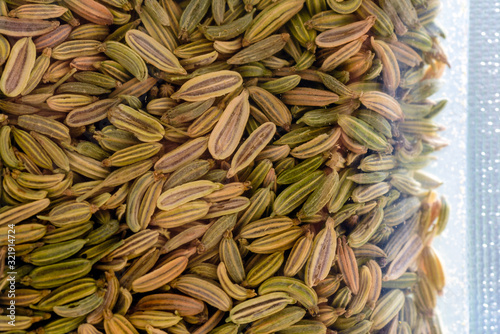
[(220, 166)]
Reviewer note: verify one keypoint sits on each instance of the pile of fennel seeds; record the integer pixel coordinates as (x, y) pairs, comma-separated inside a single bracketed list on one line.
[(220, 166)]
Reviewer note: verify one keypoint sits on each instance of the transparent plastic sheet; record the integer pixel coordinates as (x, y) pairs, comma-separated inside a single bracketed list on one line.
[(469, 168), (451, 168), (483, 167)]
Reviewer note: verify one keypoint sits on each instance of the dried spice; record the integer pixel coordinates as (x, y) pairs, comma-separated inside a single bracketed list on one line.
[(220, 166)]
